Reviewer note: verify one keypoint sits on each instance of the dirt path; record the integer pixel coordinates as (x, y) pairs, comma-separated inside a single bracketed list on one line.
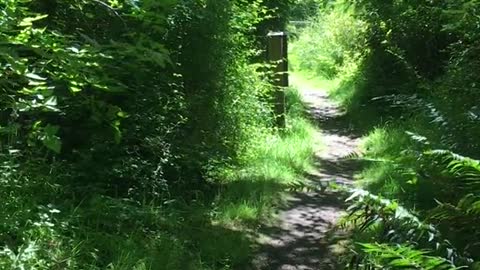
[(304, 237)]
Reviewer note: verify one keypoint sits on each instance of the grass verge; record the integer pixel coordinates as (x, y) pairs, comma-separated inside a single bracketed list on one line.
[(218, 234), (249, 195), (203, 233)]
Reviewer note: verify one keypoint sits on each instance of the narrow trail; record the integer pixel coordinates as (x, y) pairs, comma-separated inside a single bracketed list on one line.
[(305, 236)]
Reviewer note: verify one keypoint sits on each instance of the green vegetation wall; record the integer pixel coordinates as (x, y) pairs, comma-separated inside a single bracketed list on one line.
[(425, 50), (404, 48), (88, 77), (116, 104), (404, 72)]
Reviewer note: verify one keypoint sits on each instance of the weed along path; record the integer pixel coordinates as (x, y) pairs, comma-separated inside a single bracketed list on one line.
[(305, 235)]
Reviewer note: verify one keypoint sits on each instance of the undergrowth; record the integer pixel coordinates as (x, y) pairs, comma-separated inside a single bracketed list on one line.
[(104, 232), (139, 134), (402, 72), (273, 165)]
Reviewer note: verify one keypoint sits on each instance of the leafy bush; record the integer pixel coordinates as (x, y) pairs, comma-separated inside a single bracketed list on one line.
[(330, 43), (119, 123)]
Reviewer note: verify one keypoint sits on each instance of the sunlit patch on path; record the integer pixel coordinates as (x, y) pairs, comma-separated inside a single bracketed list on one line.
[(306, 236)]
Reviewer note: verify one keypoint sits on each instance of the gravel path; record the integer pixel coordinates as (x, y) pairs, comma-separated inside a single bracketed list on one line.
[(305, 236)]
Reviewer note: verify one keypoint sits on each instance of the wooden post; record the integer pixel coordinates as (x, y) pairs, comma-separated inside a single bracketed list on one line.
[(277, 53)]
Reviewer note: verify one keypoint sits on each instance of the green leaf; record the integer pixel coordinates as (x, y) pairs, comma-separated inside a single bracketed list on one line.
[(51, 130), (53, 143), (75, 89), (117, 133), (34, 77), (49, 138), (122, 114), (29, 20)]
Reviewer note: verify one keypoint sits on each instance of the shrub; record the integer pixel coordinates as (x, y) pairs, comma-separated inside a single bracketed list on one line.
[(118, 120), (330, 43)]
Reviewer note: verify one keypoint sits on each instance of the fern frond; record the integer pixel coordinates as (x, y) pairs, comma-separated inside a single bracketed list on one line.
[(385, 256), (465, 169), (462, 220), (454, 161), (368, 212), (468, 205)]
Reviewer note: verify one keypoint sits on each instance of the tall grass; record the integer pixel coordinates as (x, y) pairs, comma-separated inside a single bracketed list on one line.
[(200, 230), (275, 163), (217, 234)]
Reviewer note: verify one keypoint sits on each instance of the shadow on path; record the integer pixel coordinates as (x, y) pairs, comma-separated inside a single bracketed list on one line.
[(306, 235)]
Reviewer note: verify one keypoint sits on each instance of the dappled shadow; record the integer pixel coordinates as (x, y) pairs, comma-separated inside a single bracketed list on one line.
[(223, 245), (330, 117), (341, 171), (307, 235)]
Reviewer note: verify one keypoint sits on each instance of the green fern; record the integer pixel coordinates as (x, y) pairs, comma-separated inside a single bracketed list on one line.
[(385, 256), (388, 222), (461, 221), (465, 169), (467, 206)]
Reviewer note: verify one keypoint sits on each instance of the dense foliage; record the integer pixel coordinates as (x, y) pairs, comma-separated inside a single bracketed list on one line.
[(404, 71), (124, 125)]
